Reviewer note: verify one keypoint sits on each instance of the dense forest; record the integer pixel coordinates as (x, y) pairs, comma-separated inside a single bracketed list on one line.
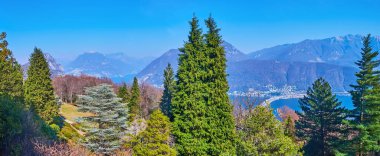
[(192, 115)]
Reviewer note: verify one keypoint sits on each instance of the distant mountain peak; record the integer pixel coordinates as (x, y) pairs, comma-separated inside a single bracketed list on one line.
[(338, 50)]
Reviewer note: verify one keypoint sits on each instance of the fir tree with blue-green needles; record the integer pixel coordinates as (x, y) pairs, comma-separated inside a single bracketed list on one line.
[(105, 129)]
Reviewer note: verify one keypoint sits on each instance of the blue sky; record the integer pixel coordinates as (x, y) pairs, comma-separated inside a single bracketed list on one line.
[(139, 28)]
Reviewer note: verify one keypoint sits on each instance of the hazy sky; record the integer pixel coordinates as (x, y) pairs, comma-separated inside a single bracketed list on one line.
[(66, 28)]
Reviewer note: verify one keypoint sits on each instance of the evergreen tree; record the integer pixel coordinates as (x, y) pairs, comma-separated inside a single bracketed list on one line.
[(373, 124), (11, 73), (39, 93), (263, 134), (155, 139), (104, 130), (134, 103), (11, 97), (367, 79), (321, 120), (290, 129), (123, 93), (190, 127), (10, 119), (218, 104), (165, 105)]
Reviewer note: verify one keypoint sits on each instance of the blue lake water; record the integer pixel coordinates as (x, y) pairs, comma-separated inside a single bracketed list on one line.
[(293, 103)]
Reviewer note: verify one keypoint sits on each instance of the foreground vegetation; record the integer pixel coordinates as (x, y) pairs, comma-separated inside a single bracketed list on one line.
[(192, 116)]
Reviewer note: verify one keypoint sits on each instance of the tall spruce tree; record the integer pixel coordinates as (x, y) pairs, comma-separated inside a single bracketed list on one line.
[(39, 93), (166, 100), (321, 120), (134, 102), (218, 104), (190, 126), (263, 134), (367, 79), (155, 139), (123, 93), (373, 124), (105, 129), (11, 78)]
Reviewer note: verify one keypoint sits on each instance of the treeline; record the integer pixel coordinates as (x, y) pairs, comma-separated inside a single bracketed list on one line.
[(28, 109), (192, 116), (68, 87)]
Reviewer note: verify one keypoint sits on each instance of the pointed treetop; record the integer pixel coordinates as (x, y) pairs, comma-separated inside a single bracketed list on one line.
[(213, 38), (195, 36)]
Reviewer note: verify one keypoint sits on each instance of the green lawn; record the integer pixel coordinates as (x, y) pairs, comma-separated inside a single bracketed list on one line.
[(70, 112)]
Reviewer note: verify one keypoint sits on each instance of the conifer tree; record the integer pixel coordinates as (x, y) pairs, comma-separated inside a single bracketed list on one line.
[(373, 124), (11, 78), (367, 79), (105, 129), (290, 129), (321, 120), (155, 139), (263, 134), (166, 100), (134, 103), (190, 127), (11, 96), (218, 104), (123, 93), (39, 93)]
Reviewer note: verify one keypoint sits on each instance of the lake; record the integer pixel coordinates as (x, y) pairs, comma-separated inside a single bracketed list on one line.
[(293, 103)]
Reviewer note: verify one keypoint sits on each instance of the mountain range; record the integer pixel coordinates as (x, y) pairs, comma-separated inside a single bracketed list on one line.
[(296, 65), (115, 65)]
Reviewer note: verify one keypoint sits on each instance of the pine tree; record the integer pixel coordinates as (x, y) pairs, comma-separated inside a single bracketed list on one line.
[(155, 139), (104, 130), (263, 134), (39, 93), (134, 103), (367, 79), (165, 105), (290, 129), (190, 127), (11, 73), (321, 120), (123, 93), (218, 104)]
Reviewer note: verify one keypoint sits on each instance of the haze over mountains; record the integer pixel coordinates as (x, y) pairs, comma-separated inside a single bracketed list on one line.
[(296, 65)]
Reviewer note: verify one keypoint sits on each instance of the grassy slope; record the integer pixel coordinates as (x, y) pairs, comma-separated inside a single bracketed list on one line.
[(70, 112)]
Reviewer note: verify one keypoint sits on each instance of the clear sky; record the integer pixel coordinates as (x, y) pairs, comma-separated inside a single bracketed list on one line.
[(139, 28)]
